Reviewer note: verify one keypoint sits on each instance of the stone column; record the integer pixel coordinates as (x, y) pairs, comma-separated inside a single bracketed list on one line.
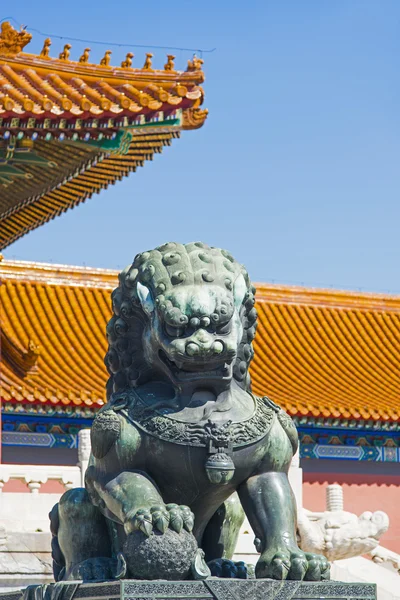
[(334, 497), (34, 486), (84, 449), (34, 480)]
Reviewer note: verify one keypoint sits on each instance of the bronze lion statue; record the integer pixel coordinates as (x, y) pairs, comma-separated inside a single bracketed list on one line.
[(182, 444)]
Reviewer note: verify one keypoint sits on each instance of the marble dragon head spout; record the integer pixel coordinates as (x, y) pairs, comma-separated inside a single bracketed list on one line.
[(182, 313)]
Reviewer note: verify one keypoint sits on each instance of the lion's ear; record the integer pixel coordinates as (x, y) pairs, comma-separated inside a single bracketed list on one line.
[(239, 291), (145, 298)]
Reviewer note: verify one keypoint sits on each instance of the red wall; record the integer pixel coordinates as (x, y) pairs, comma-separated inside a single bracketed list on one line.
[(362, 493)]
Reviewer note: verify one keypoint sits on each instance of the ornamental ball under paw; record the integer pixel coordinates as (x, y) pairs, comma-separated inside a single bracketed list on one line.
[(166, 555)]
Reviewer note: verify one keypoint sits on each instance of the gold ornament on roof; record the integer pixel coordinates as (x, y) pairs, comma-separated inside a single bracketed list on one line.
[(127, 63), (12, 41), (195, 64), (33, 349), (193, 118), (64, 55), (105, 61), (46, 48), (148, 62), (169, 65), (84, 58)]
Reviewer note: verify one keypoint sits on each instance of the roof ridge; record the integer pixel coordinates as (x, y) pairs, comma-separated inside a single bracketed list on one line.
[(266, 292), (57, 274), (12, 43), (327, 297), (51, 265)]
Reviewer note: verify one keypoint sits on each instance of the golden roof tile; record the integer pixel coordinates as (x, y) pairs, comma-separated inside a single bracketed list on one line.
[(322, 353)]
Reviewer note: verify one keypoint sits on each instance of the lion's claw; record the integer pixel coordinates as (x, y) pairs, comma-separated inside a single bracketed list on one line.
[(142, 521), (160, 518), (293, 564), (175, 520), (188, 518), (318, 568), (298, 567), (188, 523), (180, 517), (280, 566)]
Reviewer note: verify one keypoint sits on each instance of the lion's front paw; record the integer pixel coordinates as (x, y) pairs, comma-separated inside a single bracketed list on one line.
[(160, 518), (292, 564)]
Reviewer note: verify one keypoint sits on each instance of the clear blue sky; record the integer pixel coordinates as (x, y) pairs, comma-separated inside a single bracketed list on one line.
[(297, 170)]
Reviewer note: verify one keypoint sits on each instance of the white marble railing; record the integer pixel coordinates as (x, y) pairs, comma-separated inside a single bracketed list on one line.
[(29, 511), (386, 558), (36, 475)]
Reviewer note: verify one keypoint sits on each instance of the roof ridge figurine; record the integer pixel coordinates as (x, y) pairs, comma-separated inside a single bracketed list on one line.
[(169, 65), (127, 63), (46, 48), (105, 61), (64, 55), (196, 64), (12, 42), (84, 58), (148, 62)]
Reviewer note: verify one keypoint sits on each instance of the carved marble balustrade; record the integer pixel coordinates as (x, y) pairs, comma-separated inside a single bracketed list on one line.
[(28, 511)]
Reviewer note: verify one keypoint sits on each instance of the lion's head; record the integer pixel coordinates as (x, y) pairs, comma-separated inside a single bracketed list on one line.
[(182, 313)]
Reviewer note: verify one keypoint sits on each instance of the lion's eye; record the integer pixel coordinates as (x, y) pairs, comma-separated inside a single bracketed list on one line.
[(224, 329), (173, 331)]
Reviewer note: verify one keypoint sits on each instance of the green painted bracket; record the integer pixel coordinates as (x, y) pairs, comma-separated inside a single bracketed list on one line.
[(120, 144)]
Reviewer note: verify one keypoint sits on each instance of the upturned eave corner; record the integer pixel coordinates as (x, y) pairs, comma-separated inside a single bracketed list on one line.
[(42, 84), (83, 124)]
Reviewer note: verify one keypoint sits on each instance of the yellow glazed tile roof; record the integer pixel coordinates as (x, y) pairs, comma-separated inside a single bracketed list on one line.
[(61, 312), (317, 352), (70, 128)]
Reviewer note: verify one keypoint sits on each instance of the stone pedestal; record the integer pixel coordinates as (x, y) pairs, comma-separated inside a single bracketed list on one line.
[(211, 589)]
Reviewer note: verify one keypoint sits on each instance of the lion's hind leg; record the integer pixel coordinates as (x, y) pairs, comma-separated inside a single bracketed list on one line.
[(222, 531), (220, 538), (81, 547)]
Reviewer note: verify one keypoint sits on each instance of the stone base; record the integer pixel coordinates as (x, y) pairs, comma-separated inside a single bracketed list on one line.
[(211, 589)]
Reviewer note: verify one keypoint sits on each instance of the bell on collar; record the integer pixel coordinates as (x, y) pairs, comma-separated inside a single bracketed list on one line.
[(219, 468)]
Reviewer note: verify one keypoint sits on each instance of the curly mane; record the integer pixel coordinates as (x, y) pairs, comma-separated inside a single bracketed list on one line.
[(160, 270)]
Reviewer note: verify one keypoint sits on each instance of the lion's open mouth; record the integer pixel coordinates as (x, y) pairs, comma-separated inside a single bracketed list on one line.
[(189, 369)]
